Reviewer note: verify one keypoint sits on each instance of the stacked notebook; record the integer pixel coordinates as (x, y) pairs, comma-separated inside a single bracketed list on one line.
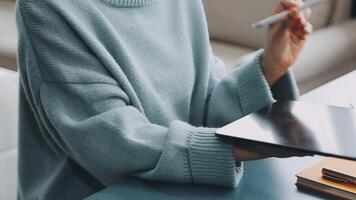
[(332, 176)]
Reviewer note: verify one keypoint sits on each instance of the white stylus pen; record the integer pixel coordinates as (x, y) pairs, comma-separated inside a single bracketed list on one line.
[(280, 16)]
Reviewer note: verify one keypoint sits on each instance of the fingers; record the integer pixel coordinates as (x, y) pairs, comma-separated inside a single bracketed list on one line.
[(285, 5), (246, 155), (291, 3), (293, 6), (279, 9), (309, 28), (301, 29), (296, 21), (306, 13), (295, 15)]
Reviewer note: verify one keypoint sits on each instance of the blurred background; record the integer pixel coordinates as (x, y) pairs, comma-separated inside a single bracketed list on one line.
[(329, 53)]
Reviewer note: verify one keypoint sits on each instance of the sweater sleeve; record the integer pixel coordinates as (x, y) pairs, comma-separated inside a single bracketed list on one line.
[(90, 118), (109, 138), (244, 91)]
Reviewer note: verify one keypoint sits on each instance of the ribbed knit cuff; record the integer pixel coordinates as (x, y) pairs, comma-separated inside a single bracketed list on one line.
[(252, 87), (192, 154), (211, 160)]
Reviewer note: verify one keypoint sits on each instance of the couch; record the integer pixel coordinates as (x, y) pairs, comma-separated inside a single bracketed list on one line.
[(8, 35), (8, 133), (329, 53)]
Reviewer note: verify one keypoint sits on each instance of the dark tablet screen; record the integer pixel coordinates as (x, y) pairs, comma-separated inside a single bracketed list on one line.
[(316, 129)]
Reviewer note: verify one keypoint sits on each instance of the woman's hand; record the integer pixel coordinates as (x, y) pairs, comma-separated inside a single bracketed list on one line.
[(285, 40)]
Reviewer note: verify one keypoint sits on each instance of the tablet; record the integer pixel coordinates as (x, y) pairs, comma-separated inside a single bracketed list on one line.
[(299, 126)]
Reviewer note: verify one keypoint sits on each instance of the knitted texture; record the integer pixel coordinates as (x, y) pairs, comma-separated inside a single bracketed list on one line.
[(126, 88), (128, 3)]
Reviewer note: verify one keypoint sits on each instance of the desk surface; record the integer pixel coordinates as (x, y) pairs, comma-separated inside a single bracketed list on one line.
[(340, 92), (269, 179)]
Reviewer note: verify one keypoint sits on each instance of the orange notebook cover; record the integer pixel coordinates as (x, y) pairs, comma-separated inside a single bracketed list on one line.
[(312, 178)]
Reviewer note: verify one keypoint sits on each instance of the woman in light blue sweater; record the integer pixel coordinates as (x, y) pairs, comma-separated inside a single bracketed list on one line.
[(115, 88)]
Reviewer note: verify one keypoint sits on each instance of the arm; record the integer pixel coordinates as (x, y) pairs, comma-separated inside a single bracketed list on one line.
[(89, 117), (267, 77), (110, 138), (284, 43), (244, 91), (238, 94)]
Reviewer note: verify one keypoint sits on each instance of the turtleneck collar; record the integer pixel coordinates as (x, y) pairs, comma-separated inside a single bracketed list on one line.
[(128, 3)]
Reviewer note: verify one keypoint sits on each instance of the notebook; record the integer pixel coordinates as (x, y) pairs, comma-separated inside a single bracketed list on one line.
[(298, 126), (312, 178)]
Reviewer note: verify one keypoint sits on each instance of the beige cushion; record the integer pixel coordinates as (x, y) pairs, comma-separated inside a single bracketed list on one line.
[(341, 11), (328, 54), (8, 109), (8, 174), (8, 133), (8, 34), (230, 20)]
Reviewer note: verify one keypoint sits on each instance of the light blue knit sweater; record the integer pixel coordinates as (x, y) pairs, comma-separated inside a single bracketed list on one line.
[(126, 88)]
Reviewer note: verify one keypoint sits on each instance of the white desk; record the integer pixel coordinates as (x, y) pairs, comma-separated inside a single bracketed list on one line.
[(340, 92)]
